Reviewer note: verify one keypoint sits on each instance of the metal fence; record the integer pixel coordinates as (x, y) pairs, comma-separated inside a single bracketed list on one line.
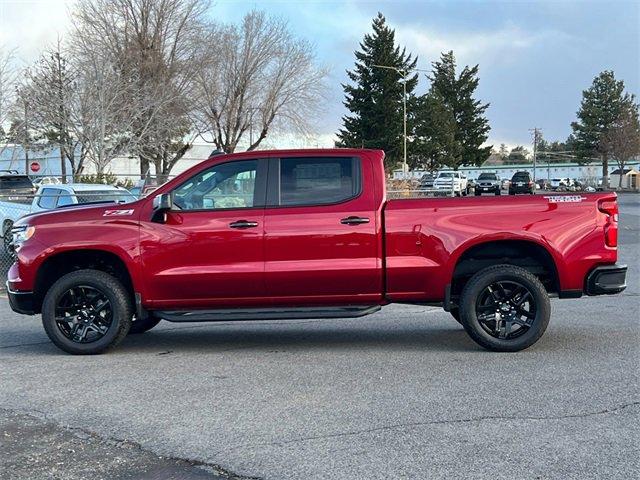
[(14, 206)]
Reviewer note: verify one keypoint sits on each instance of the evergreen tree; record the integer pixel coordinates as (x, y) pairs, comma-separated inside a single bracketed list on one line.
[(457, 91), (374, 97), (434, 143), (602, 104), (518, 155)]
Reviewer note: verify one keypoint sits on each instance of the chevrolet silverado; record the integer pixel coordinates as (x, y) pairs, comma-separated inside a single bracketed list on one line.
[(308, 234)]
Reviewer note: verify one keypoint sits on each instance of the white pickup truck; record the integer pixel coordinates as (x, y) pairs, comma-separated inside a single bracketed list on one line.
[(48, 197), (451, 183)]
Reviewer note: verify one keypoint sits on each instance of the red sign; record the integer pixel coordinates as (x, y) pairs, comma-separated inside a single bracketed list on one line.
[(35, 167)]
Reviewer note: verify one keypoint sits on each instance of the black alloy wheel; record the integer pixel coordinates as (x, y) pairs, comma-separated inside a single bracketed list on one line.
[(505, 309), (83, 314), (87, 312)]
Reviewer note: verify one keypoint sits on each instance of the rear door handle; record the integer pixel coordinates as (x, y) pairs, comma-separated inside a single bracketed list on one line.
[(354, 220), (243, 224)]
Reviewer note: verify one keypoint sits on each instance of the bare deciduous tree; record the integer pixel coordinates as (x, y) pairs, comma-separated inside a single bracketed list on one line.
[(622, 140), (155, 46), (7, 86), (51, 87), (256, 77)]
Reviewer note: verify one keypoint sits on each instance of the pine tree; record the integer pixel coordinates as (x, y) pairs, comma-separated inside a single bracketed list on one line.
[(374, 97), (434, 143), (457, 92), (602, 104)]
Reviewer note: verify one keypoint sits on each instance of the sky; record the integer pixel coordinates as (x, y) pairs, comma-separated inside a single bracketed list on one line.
[(535, 58)]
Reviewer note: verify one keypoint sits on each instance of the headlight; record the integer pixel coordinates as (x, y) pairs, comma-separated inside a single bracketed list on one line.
[(21, 234)]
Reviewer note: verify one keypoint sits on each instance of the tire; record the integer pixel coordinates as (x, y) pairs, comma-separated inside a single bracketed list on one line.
[(498, 193), (477, 194), (455, 313), (483, 329), (73, 290), (144, 325)]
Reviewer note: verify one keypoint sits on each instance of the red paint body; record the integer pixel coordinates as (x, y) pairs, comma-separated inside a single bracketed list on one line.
[(302, 256)]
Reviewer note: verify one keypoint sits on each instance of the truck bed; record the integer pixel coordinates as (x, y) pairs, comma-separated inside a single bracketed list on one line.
[(425, 237)]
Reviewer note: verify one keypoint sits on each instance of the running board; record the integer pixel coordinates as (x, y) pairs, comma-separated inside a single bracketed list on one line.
[(265, 313)]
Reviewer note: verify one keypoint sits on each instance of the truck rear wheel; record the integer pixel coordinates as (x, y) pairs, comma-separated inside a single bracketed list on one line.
[(505, 308), (87, 312)]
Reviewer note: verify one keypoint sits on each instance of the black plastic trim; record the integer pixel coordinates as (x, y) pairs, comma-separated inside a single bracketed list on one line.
[(266, 313), (570, 294), (21, 302), (606, 280)]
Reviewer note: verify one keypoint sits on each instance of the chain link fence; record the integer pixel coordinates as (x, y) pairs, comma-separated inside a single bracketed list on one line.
[(53, 194), (14, 206)]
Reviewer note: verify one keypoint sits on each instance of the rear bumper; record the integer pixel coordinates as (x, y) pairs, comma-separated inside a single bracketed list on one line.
[(606, 280), (21, 302)]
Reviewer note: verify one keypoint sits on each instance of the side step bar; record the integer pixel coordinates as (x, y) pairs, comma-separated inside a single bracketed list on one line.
[(266, 313)]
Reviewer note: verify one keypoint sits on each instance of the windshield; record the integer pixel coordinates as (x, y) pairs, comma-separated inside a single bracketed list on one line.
[(90, 196), (487, 176), (445, 175), (15, 182)]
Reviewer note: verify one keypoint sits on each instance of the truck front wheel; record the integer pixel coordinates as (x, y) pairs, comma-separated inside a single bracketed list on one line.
[(87, 312), (504, 308)]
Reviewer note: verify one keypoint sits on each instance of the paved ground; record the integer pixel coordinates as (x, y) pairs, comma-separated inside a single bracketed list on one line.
[(400, 394)]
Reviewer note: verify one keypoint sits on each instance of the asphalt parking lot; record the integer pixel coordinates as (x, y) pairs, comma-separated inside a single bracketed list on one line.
[(403, 393)]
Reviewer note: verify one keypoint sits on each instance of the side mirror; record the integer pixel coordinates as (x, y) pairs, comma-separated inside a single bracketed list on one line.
[(161, 204)]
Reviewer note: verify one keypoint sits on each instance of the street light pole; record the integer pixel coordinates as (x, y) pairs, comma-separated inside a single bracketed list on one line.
[(403, 72), (405, 165)]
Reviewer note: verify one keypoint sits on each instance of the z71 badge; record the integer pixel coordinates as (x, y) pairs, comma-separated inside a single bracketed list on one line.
[(117, 213)]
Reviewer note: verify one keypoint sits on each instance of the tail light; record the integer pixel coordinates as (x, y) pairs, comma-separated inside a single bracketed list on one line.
[(609, 207)]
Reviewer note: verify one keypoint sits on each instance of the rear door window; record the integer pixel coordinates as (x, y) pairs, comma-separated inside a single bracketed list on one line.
[(318, 180), (48, 198)]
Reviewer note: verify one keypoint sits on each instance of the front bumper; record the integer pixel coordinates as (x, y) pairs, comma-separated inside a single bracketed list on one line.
[(21, 302), (606, 280)]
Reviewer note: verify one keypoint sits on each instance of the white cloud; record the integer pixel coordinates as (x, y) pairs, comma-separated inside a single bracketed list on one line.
[(29, 26), (504, 44)]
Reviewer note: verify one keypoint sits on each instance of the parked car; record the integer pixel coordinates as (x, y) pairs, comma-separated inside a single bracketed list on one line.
[(52, 196), (488, 183), (38, 181), (521, 183), (308, 234), (426, 181), (451, 183), (505, 184), (561, 183), (14, 185), (543, 184)]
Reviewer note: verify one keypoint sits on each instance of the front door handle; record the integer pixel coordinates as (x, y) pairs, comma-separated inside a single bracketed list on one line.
[(243, 224), (354, 220)]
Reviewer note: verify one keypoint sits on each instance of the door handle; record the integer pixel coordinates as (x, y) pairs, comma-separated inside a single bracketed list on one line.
[(354, 220), (243, 224)]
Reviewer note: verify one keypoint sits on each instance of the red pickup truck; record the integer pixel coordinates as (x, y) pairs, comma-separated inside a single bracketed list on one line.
[(308, 234)]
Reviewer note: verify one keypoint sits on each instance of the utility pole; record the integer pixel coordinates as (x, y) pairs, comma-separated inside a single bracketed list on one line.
[(403, 72), (537, 136)]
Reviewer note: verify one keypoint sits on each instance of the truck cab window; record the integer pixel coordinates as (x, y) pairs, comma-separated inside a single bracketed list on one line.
[(48, 198), (316, 181), (224, 186)]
